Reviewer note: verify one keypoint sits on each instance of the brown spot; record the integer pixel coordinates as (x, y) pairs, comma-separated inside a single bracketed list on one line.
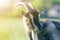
[(27, 24), (26, 20)]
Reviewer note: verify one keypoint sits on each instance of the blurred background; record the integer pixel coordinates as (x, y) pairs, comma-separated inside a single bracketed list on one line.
[(11, 24)]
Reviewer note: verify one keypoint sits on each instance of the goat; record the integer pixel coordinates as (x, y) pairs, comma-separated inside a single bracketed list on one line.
[(36, 29), (31, 26)]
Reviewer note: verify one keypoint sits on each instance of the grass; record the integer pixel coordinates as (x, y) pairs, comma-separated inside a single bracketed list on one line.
[(12, 29)]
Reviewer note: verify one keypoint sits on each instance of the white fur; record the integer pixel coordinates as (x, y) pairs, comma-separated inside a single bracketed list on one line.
[(27, 29), (34, 35)]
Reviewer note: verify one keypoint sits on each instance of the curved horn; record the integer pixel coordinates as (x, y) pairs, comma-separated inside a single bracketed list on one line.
[(27, 6)]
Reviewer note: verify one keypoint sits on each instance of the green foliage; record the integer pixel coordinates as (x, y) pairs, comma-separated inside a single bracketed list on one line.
[(56, 0), (12, 29), (18, 10), (38, 4)]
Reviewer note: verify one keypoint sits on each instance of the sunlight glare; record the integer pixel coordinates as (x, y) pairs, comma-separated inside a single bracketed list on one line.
[(4, 3)]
